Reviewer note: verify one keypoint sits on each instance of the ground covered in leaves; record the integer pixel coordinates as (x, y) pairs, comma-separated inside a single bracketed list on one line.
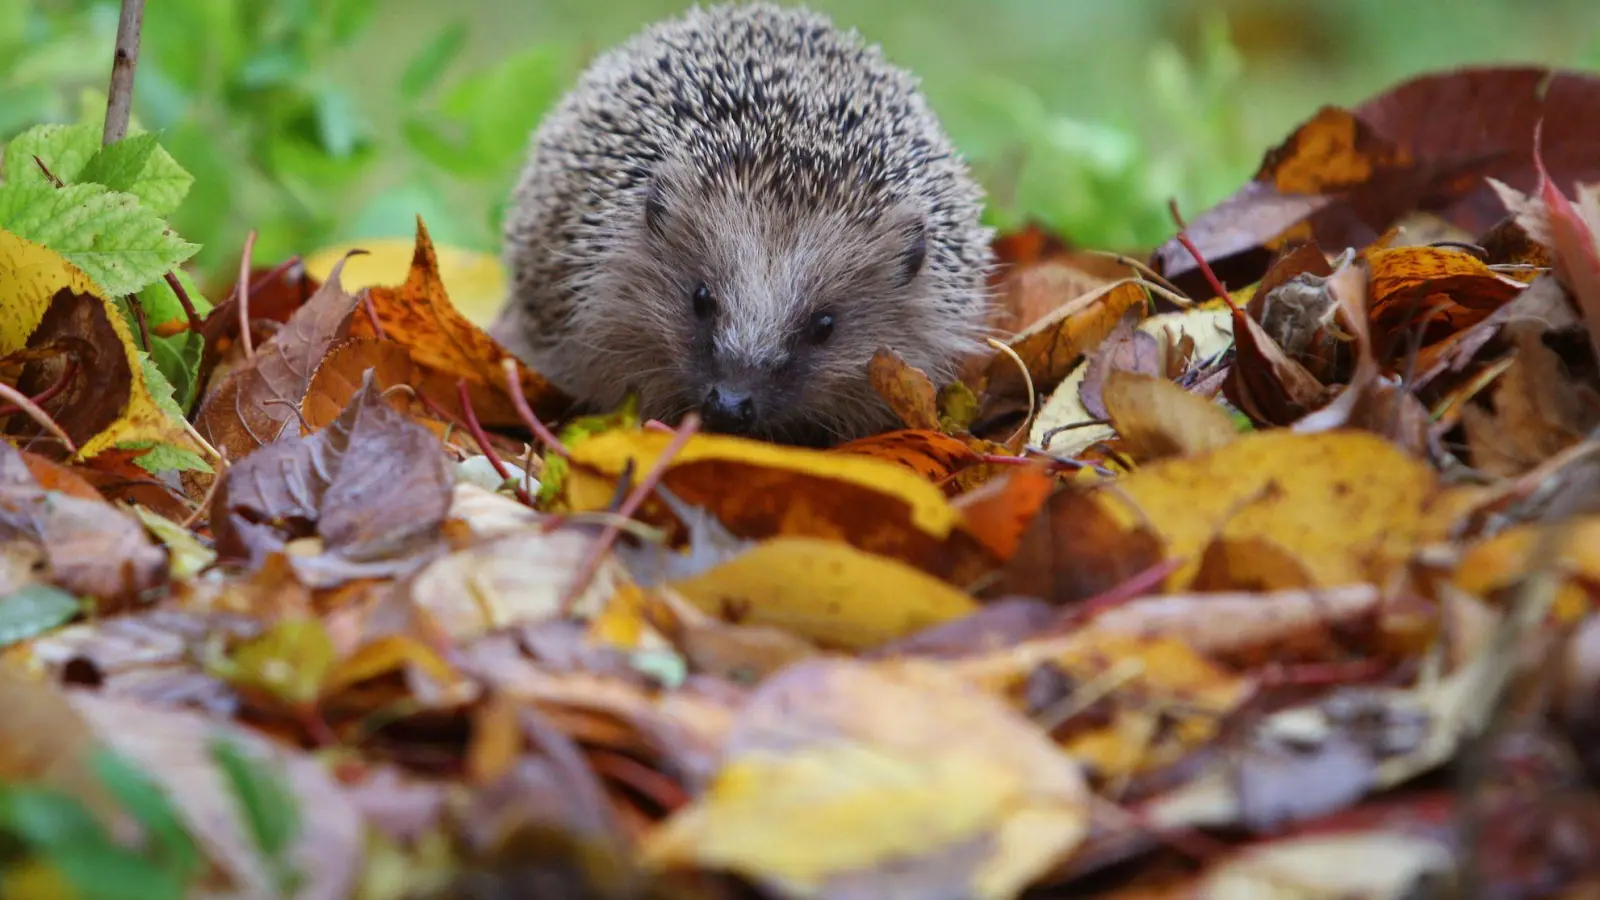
[(1259, 565)]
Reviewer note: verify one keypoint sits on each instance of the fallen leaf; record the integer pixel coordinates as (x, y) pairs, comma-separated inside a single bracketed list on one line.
[(1537, 408), (826, 591), (1364, 511), (90, 547), (876, 506), (1428, 143), (1158, 419), (995, 808), (373, 517), (419, 315), (476, 281), (933, 455), (1053, 345), (255, 404), (1074, 549), (907, 389)]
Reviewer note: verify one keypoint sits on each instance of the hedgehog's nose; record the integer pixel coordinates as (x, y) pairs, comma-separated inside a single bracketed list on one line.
[(728, 411)]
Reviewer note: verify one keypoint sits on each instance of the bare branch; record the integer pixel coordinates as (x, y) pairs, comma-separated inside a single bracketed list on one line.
[(119, 105)]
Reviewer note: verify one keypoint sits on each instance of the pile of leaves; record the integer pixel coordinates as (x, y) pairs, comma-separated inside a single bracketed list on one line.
[(1263, 568)]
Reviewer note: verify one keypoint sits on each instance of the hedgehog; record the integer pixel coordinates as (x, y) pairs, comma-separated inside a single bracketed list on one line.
[(731, 213)]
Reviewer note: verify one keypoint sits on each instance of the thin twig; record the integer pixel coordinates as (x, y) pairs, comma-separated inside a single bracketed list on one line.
[(478, 434), (119, 103), (591, 563), (371, 307), (25, 404), (1199, 259), (195, 324), (520, 401), (244, 295), (67, 373)]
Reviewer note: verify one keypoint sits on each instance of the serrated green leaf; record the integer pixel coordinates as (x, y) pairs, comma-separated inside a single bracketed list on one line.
[(139, 166), (65, 149), (108, 872), (33, 610), (46, 819), (178, 359), (108, 234), (160, 388), (117, 165)]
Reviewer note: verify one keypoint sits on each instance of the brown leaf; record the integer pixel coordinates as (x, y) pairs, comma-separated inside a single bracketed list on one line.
[(1124, 349), (1439, 290), (258, 401), (1157, 418), (997, 513), (419, 316), (1427, 144), (1053, 345), (1537, 409), (76, 332), (373, 485), (908, 390), (91, 547), (1072, 551), (1264, 382)]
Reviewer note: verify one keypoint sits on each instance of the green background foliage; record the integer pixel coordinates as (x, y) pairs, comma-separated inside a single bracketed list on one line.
[(315, 121)]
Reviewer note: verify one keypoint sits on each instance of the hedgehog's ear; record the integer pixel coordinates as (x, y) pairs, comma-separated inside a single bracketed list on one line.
[(914, 252)]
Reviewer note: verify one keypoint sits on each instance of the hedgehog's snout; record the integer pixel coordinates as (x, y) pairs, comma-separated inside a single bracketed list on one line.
[(728, 410)]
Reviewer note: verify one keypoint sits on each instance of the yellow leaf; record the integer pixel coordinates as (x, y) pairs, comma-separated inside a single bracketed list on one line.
[(291, 661), (610, 453), (826, 591), (30, 275), (1347, 504), (476, 281), (830, 776), (387, 654), (1502, 560), (1156, 698)]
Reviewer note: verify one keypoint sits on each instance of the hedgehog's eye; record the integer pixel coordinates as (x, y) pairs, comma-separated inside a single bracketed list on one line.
[(820, 328), (705, 306)]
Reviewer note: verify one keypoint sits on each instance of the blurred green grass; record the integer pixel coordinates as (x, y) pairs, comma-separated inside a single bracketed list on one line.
[(317, 122)]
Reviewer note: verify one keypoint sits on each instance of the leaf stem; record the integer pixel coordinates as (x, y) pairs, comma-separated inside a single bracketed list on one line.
[(591, 563), (520, 401), (478, 434)]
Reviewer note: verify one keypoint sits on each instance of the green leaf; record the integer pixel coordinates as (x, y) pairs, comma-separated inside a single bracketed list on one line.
[(117, 165), (268, 806), (33, 610), (139, 166), (108, 872), (338, 129), (188, 556), (150, 805), (108, 234), (65, 149), (162, 458), (48, 820), (161, 304), (425, 68), (178, 360)]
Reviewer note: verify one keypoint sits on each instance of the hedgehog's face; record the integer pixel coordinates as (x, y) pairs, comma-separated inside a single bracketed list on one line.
[(770, 316)]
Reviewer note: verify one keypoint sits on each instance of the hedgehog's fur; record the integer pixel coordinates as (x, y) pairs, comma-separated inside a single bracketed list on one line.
[(784, 164)]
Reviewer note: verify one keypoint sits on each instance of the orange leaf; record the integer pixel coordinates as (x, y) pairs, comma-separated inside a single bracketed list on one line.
[(419, 316)]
